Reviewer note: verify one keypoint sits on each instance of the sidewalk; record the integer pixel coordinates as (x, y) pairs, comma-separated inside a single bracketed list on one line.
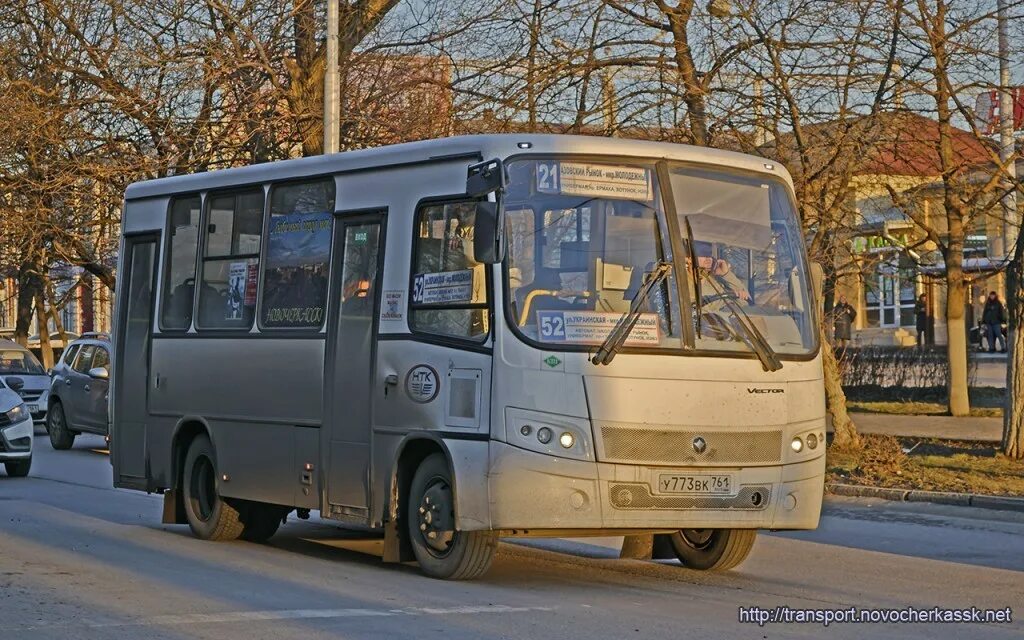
[(945, 427)]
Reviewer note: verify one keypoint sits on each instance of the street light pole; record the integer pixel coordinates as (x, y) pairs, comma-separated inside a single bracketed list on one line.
[(332, 95), (1006, 142)]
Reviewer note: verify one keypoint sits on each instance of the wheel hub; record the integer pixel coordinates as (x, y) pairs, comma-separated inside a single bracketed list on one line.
[(697, 538), (435, 516)]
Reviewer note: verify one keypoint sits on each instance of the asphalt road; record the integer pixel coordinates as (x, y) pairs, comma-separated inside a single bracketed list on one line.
[(79, 559)]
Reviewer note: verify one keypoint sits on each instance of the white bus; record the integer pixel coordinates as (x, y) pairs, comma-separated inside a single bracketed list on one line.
[(457, 340)]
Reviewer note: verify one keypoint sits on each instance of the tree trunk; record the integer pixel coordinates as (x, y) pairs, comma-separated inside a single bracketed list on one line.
[(45, 350), (956, 341), (1013, 412), (27, 283), (844, 432), (693, 84)]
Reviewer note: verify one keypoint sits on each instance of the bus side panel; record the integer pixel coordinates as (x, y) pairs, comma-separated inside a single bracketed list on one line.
[(460, 411), (255, 393)]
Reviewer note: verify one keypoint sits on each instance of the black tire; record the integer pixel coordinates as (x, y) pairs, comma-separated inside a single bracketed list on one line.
[(18, 468), (57, 426), (449, 554), (712, 549), (261, 521), (209, 516)]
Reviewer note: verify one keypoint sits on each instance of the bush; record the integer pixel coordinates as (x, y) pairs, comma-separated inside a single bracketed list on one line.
[(891, 367)]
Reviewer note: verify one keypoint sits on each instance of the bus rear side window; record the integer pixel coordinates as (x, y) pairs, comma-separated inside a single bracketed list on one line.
[(180, 271), (227, 297), (295, 268)]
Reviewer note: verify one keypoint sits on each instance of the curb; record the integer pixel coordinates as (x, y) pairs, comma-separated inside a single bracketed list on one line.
[(1001, 503)]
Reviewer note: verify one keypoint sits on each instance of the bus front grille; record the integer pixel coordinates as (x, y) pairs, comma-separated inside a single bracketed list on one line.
[(698, 447)]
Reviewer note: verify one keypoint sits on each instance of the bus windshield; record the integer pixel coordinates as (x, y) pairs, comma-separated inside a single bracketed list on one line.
[(583, 236), (748, 247)]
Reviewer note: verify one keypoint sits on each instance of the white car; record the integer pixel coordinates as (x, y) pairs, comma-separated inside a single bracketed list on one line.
[(15, 432)]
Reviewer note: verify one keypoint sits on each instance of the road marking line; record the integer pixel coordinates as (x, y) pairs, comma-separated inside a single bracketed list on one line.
[(287, 614)]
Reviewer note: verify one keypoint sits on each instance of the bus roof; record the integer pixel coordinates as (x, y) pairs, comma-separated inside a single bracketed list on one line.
[(475, 146)]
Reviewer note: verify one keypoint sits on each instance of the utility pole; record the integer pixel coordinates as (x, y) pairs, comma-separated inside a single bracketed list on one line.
[(332, 94), (1006, 141)]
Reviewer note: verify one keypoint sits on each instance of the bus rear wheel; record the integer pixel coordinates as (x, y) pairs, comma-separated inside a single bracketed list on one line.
[(712, 549), (209, 516), (442, 551), (261, 521)]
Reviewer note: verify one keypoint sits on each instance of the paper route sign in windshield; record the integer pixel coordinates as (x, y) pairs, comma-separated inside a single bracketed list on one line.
[(592, 327), (594, 180)]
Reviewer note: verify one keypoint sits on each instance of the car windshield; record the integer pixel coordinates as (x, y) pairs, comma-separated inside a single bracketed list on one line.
[(581, 237), (15, 361), (748, 247)]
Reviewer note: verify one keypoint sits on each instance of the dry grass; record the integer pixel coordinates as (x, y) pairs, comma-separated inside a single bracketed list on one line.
[(931, 465), (919, 409)]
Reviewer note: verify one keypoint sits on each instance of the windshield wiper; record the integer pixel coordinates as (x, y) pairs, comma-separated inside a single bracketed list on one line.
[(769, 359), (694, 274), (617, 337)]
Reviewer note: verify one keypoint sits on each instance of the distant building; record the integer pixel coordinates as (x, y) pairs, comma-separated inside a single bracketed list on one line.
[(885, 261)]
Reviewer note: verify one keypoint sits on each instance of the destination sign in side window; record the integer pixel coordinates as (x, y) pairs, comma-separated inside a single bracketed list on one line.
[(298, 256)]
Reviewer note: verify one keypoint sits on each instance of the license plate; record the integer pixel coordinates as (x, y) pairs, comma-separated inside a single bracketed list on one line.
[(720, 484), (33, 408)]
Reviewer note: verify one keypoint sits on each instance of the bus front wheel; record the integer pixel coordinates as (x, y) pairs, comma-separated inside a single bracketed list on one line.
[(209, 516), (442, 551), (712, 549)]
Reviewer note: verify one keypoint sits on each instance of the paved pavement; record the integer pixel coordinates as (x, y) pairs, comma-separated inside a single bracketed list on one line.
[(79, 559), (991, 370), (947, 427)]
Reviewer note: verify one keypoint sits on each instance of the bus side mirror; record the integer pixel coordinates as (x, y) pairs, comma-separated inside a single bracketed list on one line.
[(488, 241), (485, 178)]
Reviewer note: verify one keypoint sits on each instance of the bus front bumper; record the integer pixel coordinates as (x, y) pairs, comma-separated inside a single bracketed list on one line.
[(532, 491)]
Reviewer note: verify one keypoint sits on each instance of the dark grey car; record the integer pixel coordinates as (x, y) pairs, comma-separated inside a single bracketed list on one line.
[(78, 392)]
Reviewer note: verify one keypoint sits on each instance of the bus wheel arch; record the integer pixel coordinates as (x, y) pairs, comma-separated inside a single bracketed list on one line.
[(185, 432), (441, 548), (412, 452)]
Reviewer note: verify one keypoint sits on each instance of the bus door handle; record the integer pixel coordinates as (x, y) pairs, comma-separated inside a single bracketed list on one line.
[(156, 381), (390, 380)]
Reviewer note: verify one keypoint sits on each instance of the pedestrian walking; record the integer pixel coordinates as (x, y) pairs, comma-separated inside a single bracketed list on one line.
[(922, 317), (843, 316), (993, 317)]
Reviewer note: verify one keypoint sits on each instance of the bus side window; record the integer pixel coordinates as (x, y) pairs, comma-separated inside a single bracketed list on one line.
[(180, 270), (449, 288), (234, 227)]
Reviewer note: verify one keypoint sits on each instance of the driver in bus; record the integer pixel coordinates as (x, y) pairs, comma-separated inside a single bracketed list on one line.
[(721, 270)]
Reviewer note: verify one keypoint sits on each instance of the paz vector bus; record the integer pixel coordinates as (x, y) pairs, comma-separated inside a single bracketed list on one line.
[(451, 341)]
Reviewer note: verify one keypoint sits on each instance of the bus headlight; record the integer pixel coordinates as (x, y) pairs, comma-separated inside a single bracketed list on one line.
[(550, 433), (797, 445)]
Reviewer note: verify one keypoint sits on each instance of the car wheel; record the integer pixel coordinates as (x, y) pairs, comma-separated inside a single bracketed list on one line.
[(18, 468), (712, 549), (442, 551), (56, 425), (209, 516)]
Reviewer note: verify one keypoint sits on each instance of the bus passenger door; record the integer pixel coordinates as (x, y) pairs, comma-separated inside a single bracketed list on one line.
[(349, 363), (130, 374)]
